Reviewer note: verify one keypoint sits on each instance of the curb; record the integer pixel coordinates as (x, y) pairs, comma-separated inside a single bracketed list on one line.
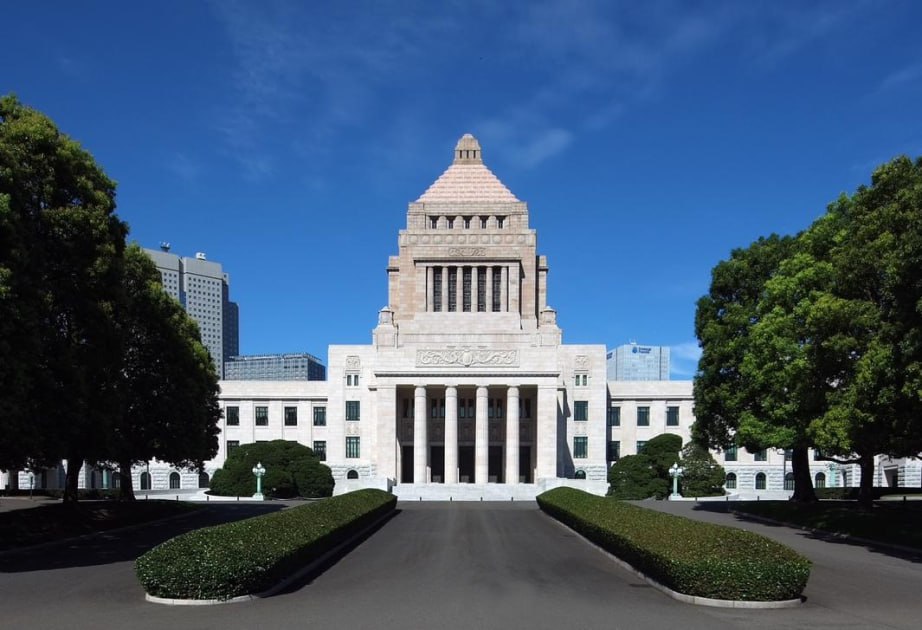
[(305, 570), (682, 597)]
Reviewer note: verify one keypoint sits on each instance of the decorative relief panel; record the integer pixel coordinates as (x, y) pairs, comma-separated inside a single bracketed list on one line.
[(353, 362), (582, 361), (352, 428), (467, 251), (467, 358)]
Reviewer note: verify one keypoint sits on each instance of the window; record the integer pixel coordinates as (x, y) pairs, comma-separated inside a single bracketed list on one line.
[(466, 289), (433, 222), (175, 482), (203, 480), (231, 445), (467, 223), (483, 223), (581, 410), (730, 454), (614, 450), (291, 416), (582, 379), (262, 416), (640, 445), (817, 454), (145, 481), (760, 481), (352, 447), (451, 225), (500, 221), (233, 416), (320, 416), (614, 416), (524, 408), (760, 455), (320, 449), (643, 416), (352, 474), (353, 410), (481, 289), (452, 289), (437, 408), (580, 447), (731, 481), (437, 289), (789, 481), (352, 380), (672, 416), (497, 277), (820, 480), (580, 474)]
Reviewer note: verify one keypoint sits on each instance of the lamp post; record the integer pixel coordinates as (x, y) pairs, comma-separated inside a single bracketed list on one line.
[(259, 470), (31, 484), (676, 472)]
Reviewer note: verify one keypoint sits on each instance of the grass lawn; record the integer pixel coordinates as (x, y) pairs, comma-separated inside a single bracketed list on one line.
[(48, 523), (890, 521)]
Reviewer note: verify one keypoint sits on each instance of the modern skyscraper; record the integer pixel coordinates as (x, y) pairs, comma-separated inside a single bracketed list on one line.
[(275, 367), (202, 288), (632, 362)]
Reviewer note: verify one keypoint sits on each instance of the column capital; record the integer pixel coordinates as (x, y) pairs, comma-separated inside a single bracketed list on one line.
[(513, 390)]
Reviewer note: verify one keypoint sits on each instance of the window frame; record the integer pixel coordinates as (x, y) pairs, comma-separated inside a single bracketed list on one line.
[(643, 419), (672, 415), (581, 411), (353, 447), (290, 416), (320, 416), (232, 419), (261, 420), (353, 410), (580, 447)]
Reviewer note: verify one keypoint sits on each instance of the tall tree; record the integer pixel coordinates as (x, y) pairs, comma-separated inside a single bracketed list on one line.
[(59, 277)]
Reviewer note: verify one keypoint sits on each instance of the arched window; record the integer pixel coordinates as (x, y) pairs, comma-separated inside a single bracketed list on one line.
[(760, 481), (820, 480), (352, 474), (731, 481), (174, 481), (789, 481), (116, 480), (580, 474), (145, 481), (203, 480)]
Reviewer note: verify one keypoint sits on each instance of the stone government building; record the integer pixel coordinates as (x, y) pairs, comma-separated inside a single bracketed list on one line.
[(467, 390)]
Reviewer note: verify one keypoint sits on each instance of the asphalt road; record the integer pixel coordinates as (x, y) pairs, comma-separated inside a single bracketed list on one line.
[(433, 565)]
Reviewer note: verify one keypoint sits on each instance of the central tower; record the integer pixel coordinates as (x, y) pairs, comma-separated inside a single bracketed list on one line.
[(467, 269)]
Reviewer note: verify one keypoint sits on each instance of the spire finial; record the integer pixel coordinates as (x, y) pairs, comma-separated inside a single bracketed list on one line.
[(467, 151)]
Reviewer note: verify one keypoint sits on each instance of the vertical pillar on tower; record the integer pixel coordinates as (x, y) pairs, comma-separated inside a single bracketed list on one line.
[(420, 442), (481, 435), (451, 434), (512, 435)]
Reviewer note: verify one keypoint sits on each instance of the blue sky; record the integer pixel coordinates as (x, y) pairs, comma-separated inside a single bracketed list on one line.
[(285, 139)]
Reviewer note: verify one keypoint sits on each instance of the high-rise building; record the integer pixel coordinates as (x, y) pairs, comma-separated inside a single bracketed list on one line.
[(274, 367), (202, 287), (633, 362)]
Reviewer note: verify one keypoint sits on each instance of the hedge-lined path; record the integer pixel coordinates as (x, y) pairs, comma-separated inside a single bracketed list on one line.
[(860, 585), (434, 565)]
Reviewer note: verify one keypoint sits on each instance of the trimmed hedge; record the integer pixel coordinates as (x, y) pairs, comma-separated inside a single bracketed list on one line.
[(252, 555), (690, 557)]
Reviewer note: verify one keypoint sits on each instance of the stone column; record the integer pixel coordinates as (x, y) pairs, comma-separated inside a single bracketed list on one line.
[(420, 443), (512, 435), (475, 295), (504, 288), (429, 287), (481, 438), (489, 289), (514, 277), (451, 434), (444, 288), (459, 289)]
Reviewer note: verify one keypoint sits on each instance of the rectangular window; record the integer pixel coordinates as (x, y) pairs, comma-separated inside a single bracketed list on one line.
[(640, 445), (580, 447), (467, 223), (643, 416), (452, 289), (672, 416), (483, 223), (262, 416), (581, 410), (231, 445), (500, 221), (353, 410), (614, 450), (481, 289), (320, 449), (614, 416), (233, 416), (730, 454), (760, 455), (437, 289), (451, 223), (466, 289), (353, 450), (320, 416), (433, 222), (497, 278), (291, 416)]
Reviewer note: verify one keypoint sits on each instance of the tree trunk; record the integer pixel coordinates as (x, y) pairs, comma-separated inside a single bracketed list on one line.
[(866, 489), (74, 464), (803, 480), (126, 489)]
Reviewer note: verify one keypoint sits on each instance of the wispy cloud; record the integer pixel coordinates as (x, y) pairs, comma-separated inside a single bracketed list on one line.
[(901, 77), (683, 359), (183, 167)]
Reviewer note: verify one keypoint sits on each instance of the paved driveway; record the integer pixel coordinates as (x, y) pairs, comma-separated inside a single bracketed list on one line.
[(434, 565)]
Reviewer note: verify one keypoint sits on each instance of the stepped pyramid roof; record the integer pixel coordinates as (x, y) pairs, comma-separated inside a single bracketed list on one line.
[(468, 180)]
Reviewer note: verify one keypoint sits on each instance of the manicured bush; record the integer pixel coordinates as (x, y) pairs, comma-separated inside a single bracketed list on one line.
[(292, 470), (252, 555), (646, 474), (688, 556)]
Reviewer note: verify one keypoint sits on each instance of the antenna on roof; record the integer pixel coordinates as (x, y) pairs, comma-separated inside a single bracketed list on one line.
[(164, 246)]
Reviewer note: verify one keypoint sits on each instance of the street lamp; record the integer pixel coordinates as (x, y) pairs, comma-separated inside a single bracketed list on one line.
[(259, 470), (676, 472), (31, 484)]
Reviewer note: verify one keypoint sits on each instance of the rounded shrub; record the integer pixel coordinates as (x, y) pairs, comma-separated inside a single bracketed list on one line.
[(292, 470)]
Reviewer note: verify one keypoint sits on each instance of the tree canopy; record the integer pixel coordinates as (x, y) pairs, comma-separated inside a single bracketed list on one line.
[(292, 470)]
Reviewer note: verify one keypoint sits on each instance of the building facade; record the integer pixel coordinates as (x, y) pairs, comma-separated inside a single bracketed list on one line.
[(633, 362), (275, 367), (203, 289)]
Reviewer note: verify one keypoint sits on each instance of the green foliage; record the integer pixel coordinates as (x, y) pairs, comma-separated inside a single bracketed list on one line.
[(702, 476), (253, 555), (690, 557), (646, 474), (292, 469)]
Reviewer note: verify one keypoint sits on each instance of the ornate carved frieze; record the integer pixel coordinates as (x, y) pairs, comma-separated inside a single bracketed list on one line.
[(467, 358), (353, 362), (467, 252), (582, 361)]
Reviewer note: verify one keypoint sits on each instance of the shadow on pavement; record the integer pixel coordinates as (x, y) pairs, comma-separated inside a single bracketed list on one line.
[(111, 547)]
